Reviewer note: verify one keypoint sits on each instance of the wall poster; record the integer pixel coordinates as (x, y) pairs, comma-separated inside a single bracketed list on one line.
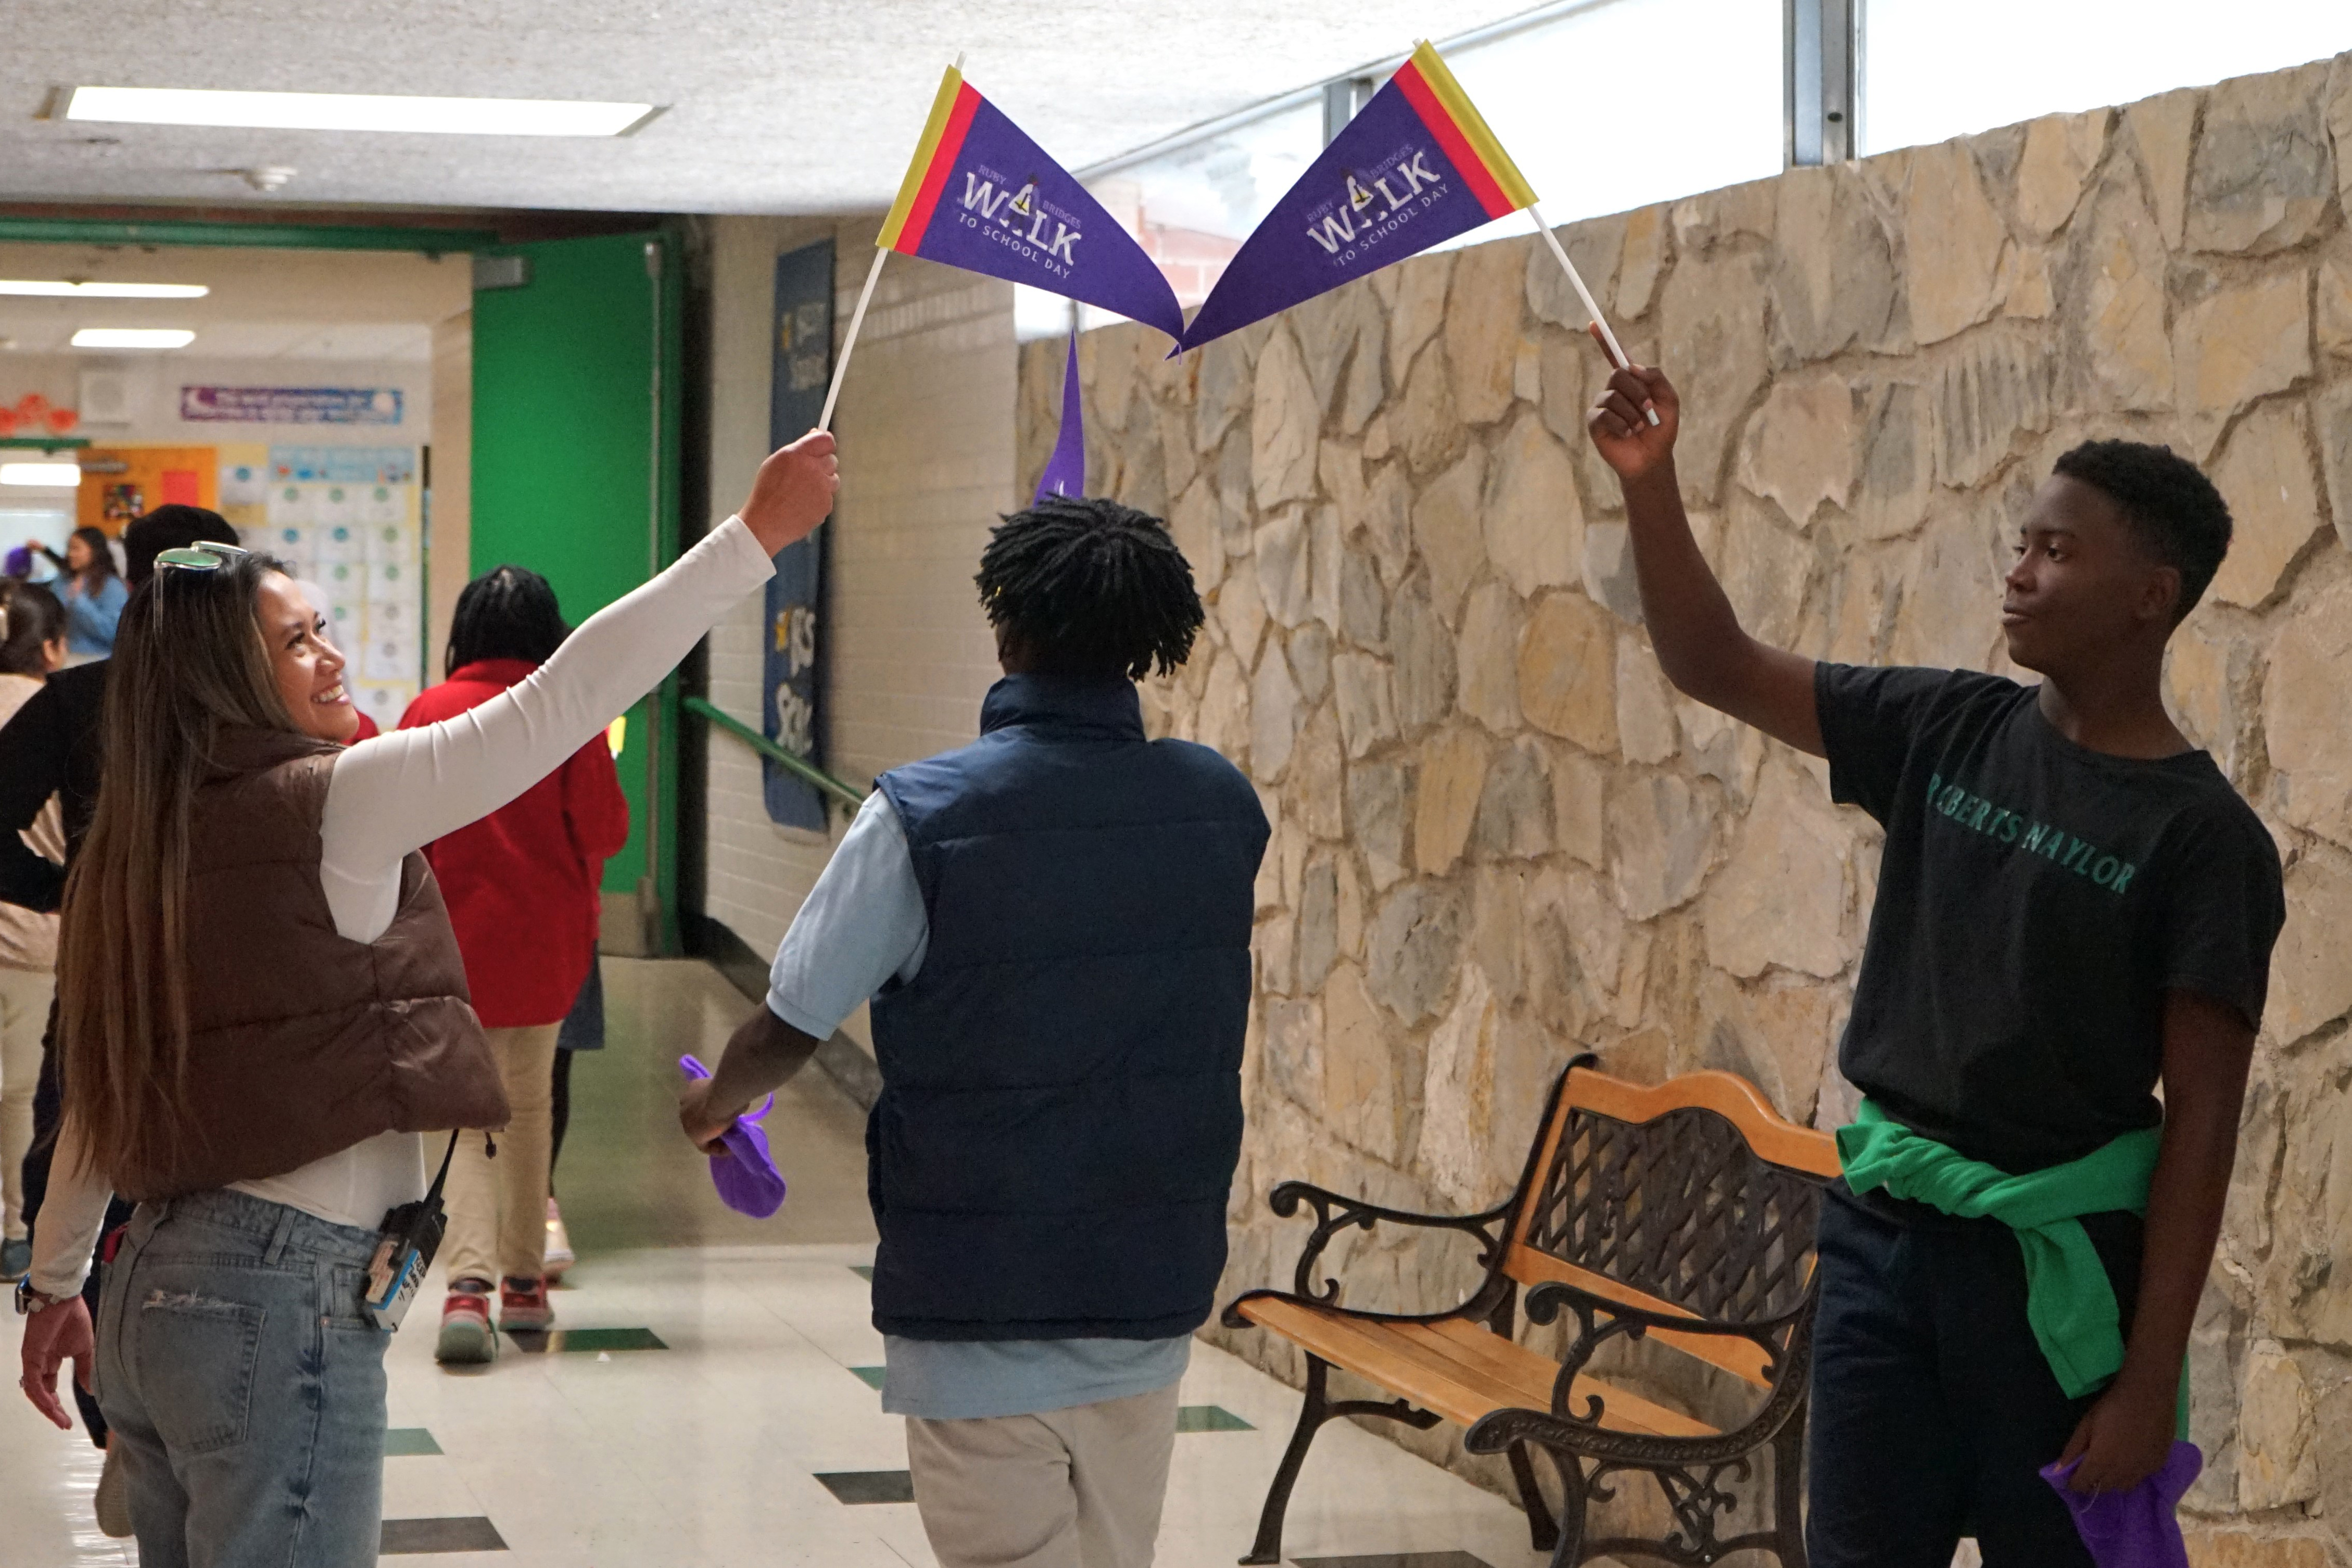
[(793, 677)]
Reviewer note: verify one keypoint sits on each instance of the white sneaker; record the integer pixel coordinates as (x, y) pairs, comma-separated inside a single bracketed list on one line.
[(559, 1245), (113, 1501)]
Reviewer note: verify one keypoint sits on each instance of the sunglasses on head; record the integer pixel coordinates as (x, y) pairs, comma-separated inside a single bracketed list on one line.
[(202, 556)]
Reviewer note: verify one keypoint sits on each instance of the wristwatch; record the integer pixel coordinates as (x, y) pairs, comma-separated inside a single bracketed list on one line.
[(29, 1300)]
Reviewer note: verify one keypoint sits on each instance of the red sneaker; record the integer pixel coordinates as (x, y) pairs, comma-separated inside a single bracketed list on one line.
[(522, 1304), (466, 1339)]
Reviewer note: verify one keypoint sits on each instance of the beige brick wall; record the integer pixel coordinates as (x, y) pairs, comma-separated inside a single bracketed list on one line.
[(926, 427)]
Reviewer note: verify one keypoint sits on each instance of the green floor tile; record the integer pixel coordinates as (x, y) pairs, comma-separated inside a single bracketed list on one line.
[(871, 1374), (573, 1341), (1209, 1418), (401, 1441)]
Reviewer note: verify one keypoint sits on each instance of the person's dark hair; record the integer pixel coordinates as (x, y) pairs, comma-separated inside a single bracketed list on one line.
[(101, 558), (171, 526), (30, 619), (2168, 501), (508, 611), (1085, 586)]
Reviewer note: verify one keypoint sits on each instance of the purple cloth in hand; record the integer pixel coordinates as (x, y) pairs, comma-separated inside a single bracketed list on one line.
[(2136, 1527), (747, 1179)]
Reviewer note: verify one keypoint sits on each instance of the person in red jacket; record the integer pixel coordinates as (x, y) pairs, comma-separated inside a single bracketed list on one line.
[(521, 890)]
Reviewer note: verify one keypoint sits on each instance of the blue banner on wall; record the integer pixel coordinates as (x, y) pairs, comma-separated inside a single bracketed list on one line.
[(793, 679)]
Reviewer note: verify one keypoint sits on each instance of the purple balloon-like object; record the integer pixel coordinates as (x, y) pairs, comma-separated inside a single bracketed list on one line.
[(747, 1179), (2135, 1528)]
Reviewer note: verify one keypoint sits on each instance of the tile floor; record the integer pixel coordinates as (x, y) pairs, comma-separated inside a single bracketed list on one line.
[(708, 1397)]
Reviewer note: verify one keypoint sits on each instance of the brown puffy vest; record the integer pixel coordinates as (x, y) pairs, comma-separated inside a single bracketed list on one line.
[(300, 1041)]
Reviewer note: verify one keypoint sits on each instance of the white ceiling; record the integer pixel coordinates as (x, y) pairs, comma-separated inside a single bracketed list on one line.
[(807, 105)]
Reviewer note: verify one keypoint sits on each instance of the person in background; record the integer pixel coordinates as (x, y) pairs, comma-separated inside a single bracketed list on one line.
[(1053, 925), (93, 593), (521, 889), (583, 1030), (32, 644), (53, 750), (264, 1013)]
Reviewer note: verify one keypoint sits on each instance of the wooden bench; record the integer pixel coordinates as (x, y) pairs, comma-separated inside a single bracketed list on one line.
[(1681, 1215)]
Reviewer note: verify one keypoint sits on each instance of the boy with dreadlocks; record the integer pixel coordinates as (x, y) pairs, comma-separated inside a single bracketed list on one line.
[(2073, 907), (1054, 926)]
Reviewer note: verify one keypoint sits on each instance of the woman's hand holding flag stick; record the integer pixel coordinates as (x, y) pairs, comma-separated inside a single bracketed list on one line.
[(1607, 338)]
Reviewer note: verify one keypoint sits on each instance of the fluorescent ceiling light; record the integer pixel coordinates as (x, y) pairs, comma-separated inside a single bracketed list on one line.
[(354, 112), (58, 288), (49, 475), (133, 338)]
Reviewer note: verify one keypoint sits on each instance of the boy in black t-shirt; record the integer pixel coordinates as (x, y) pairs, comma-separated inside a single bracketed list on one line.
[(2072, 905)]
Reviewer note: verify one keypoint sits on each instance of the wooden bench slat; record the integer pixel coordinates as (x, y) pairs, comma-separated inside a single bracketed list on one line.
[(1742, 1358), (1457, 1369), (1641, 1415)]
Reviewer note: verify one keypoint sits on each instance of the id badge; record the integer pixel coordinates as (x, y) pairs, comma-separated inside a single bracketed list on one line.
[(403, 1251)]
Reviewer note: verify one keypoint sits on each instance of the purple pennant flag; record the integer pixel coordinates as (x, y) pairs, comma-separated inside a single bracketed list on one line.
[(747, 1179), (980, 195), (1065, 470), (2137, 1527), (1416, 167)]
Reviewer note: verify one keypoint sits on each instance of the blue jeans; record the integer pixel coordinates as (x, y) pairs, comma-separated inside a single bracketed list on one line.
[(243, 1386), (1933, 1408)]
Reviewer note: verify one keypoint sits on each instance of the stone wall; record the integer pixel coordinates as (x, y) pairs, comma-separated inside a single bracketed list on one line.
[(1502, 839)]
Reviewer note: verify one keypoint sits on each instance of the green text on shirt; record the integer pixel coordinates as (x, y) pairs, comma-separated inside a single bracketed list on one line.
[(1981, 815)]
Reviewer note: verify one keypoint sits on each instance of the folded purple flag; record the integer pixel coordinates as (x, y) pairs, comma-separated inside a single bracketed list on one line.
[(2136, 1527), (747, 1179), (1065, 470)]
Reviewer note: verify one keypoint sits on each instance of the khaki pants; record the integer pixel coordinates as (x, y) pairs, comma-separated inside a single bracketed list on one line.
[(1080, 1488), (24, 1017), (497, 1207)]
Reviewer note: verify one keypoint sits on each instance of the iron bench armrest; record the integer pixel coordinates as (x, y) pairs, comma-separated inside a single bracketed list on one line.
[(1785, 1341), (1334, 1213)]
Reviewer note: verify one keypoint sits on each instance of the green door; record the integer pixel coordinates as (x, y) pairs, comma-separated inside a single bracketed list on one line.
[(577, 400)]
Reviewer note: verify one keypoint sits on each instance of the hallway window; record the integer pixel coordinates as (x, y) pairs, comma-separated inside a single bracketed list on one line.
[(1932, 70)]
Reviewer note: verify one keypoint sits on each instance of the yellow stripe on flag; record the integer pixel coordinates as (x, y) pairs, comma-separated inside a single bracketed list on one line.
[(926, 150), (1472, 124)]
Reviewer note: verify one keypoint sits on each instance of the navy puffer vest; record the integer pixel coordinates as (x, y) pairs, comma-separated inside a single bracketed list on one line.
[(1061, 1110)]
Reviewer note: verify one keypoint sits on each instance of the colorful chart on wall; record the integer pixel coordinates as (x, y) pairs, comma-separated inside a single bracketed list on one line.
[(347, 518)]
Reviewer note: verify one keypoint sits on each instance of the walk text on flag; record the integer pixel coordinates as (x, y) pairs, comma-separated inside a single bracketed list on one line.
[(979, 195), (1416, 167)]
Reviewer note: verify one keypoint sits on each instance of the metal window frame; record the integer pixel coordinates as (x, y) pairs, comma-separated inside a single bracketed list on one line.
[(1821, 53), (1349, 88)]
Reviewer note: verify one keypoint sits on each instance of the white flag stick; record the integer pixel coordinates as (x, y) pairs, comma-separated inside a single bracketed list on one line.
[(1608, 338), (857, 320)]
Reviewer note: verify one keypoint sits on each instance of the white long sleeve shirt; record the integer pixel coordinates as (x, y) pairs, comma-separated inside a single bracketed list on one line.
[(399, 791)]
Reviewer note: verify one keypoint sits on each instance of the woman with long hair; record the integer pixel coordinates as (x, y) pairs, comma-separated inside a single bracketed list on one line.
[(93, 593), (32, 646), (521, 887), (263, 1015)]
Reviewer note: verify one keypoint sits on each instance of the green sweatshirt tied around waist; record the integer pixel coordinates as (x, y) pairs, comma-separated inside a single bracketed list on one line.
[(2068, 1299)]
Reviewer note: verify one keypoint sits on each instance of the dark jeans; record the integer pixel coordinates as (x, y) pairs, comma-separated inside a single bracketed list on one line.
[(47, 1112), (1933, 1408)]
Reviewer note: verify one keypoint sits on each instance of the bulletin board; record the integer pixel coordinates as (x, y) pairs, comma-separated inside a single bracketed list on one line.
[(119, 483)]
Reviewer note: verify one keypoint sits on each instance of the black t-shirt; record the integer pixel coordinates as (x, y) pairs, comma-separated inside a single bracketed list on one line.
[(2036, 899)]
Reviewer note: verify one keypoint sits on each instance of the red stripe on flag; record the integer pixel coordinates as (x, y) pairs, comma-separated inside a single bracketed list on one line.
[(1457, 147), (934, 178)]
